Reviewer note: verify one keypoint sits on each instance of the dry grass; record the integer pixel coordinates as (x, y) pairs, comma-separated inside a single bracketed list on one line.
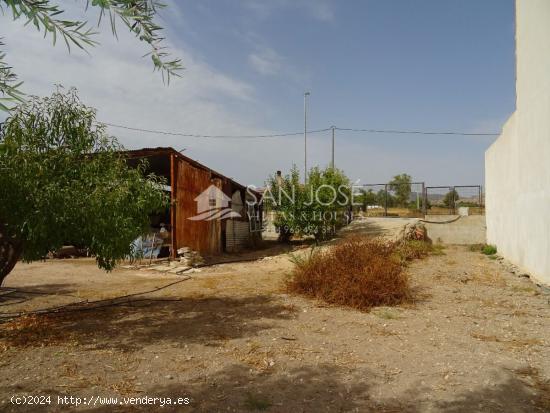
[(257, 402), (539, 384), (526, 289), (491, 279), (360, 273), (386, 314), (415, 249), (255, 356), (35, 331), (512, 342)]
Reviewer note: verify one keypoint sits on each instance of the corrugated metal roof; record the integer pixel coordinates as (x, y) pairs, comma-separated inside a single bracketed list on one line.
[(144, 152)]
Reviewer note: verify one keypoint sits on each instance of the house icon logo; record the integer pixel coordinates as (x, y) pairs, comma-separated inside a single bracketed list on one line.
[(213, 204)]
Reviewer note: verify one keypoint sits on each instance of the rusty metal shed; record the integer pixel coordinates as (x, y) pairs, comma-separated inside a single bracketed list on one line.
[(187, 179)]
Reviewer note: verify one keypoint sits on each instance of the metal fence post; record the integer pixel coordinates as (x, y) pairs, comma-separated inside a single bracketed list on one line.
[(480, 206), (386, 200), (424, 199), (480, 201), (452, 205)]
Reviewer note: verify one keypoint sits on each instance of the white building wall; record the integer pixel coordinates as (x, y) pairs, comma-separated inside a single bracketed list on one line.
[(517, 165)]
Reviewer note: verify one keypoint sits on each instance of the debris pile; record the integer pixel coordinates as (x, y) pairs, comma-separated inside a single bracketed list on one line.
[(68, 251), (190, 258), (187, 262), (413, 231)]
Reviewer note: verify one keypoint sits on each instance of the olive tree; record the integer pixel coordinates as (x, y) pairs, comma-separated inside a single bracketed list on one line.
[(64, 180), (450, 199), (317, 208), (401, 186), (138, 16)]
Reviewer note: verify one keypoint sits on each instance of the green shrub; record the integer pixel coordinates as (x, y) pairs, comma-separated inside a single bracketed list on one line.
[(317, 208), (489, 250)]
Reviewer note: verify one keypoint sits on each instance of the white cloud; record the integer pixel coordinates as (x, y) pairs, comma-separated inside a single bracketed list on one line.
[(317, 9), (117, 81), (121, 85), (320, 10), (266, 61)]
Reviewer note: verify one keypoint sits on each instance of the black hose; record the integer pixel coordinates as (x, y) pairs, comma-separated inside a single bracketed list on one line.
[(91, 305), (441, 222)]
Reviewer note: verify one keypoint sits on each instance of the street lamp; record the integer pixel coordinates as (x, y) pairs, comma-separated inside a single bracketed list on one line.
[(306, 94)]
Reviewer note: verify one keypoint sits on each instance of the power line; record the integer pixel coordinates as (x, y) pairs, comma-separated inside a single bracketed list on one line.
[(280, 135), (194, 135), (415, 132)]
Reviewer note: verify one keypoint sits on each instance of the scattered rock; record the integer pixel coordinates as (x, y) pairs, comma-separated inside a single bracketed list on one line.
[(413, 231), (464, 278), (190, 258)]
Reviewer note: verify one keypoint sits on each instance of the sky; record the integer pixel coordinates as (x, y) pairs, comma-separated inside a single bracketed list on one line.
[(428, 65)]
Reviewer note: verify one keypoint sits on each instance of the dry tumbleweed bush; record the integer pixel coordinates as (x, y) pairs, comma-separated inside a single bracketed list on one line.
[(359, 272)]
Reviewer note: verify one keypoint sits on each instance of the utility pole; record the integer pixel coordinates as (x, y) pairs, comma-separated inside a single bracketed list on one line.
[(332, 163), (306, 94)]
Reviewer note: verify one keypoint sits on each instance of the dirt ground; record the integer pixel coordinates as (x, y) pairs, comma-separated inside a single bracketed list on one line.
[(231, 339)]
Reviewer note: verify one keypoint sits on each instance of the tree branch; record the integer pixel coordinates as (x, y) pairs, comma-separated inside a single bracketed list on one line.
[(137, 15)]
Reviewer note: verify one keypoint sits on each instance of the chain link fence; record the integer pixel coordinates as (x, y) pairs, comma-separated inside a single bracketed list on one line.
[(448, 200), (415, 199), (391, 200)]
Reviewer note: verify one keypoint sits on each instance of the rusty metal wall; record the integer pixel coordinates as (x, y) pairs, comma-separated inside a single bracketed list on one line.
[(202, 236), (189, 178)]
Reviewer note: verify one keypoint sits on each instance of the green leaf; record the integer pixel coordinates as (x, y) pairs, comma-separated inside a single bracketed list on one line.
[(63, 180)]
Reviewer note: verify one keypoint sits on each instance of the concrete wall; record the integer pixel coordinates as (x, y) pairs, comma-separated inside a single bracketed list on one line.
[(517, 165), (465, 230)]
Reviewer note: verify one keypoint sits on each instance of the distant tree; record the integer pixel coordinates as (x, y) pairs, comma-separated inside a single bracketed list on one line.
[(62, 179), (428, 203), (137, 15), (366, 198), (401, 186), (450, 198), (384, 198)]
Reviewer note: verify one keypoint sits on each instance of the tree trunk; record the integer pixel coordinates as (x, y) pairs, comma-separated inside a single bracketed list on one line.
[(10, 251)]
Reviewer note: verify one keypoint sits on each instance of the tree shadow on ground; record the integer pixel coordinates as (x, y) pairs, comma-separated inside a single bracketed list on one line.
[(236, 388), (329, 388), (267, 248), (516, 392), (324, 388), (18, 295), (148, 321)]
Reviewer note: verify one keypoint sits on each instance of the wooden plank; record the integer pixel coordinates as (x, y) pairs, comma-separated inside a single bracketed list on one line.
[(200, 236), (173, 205)]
